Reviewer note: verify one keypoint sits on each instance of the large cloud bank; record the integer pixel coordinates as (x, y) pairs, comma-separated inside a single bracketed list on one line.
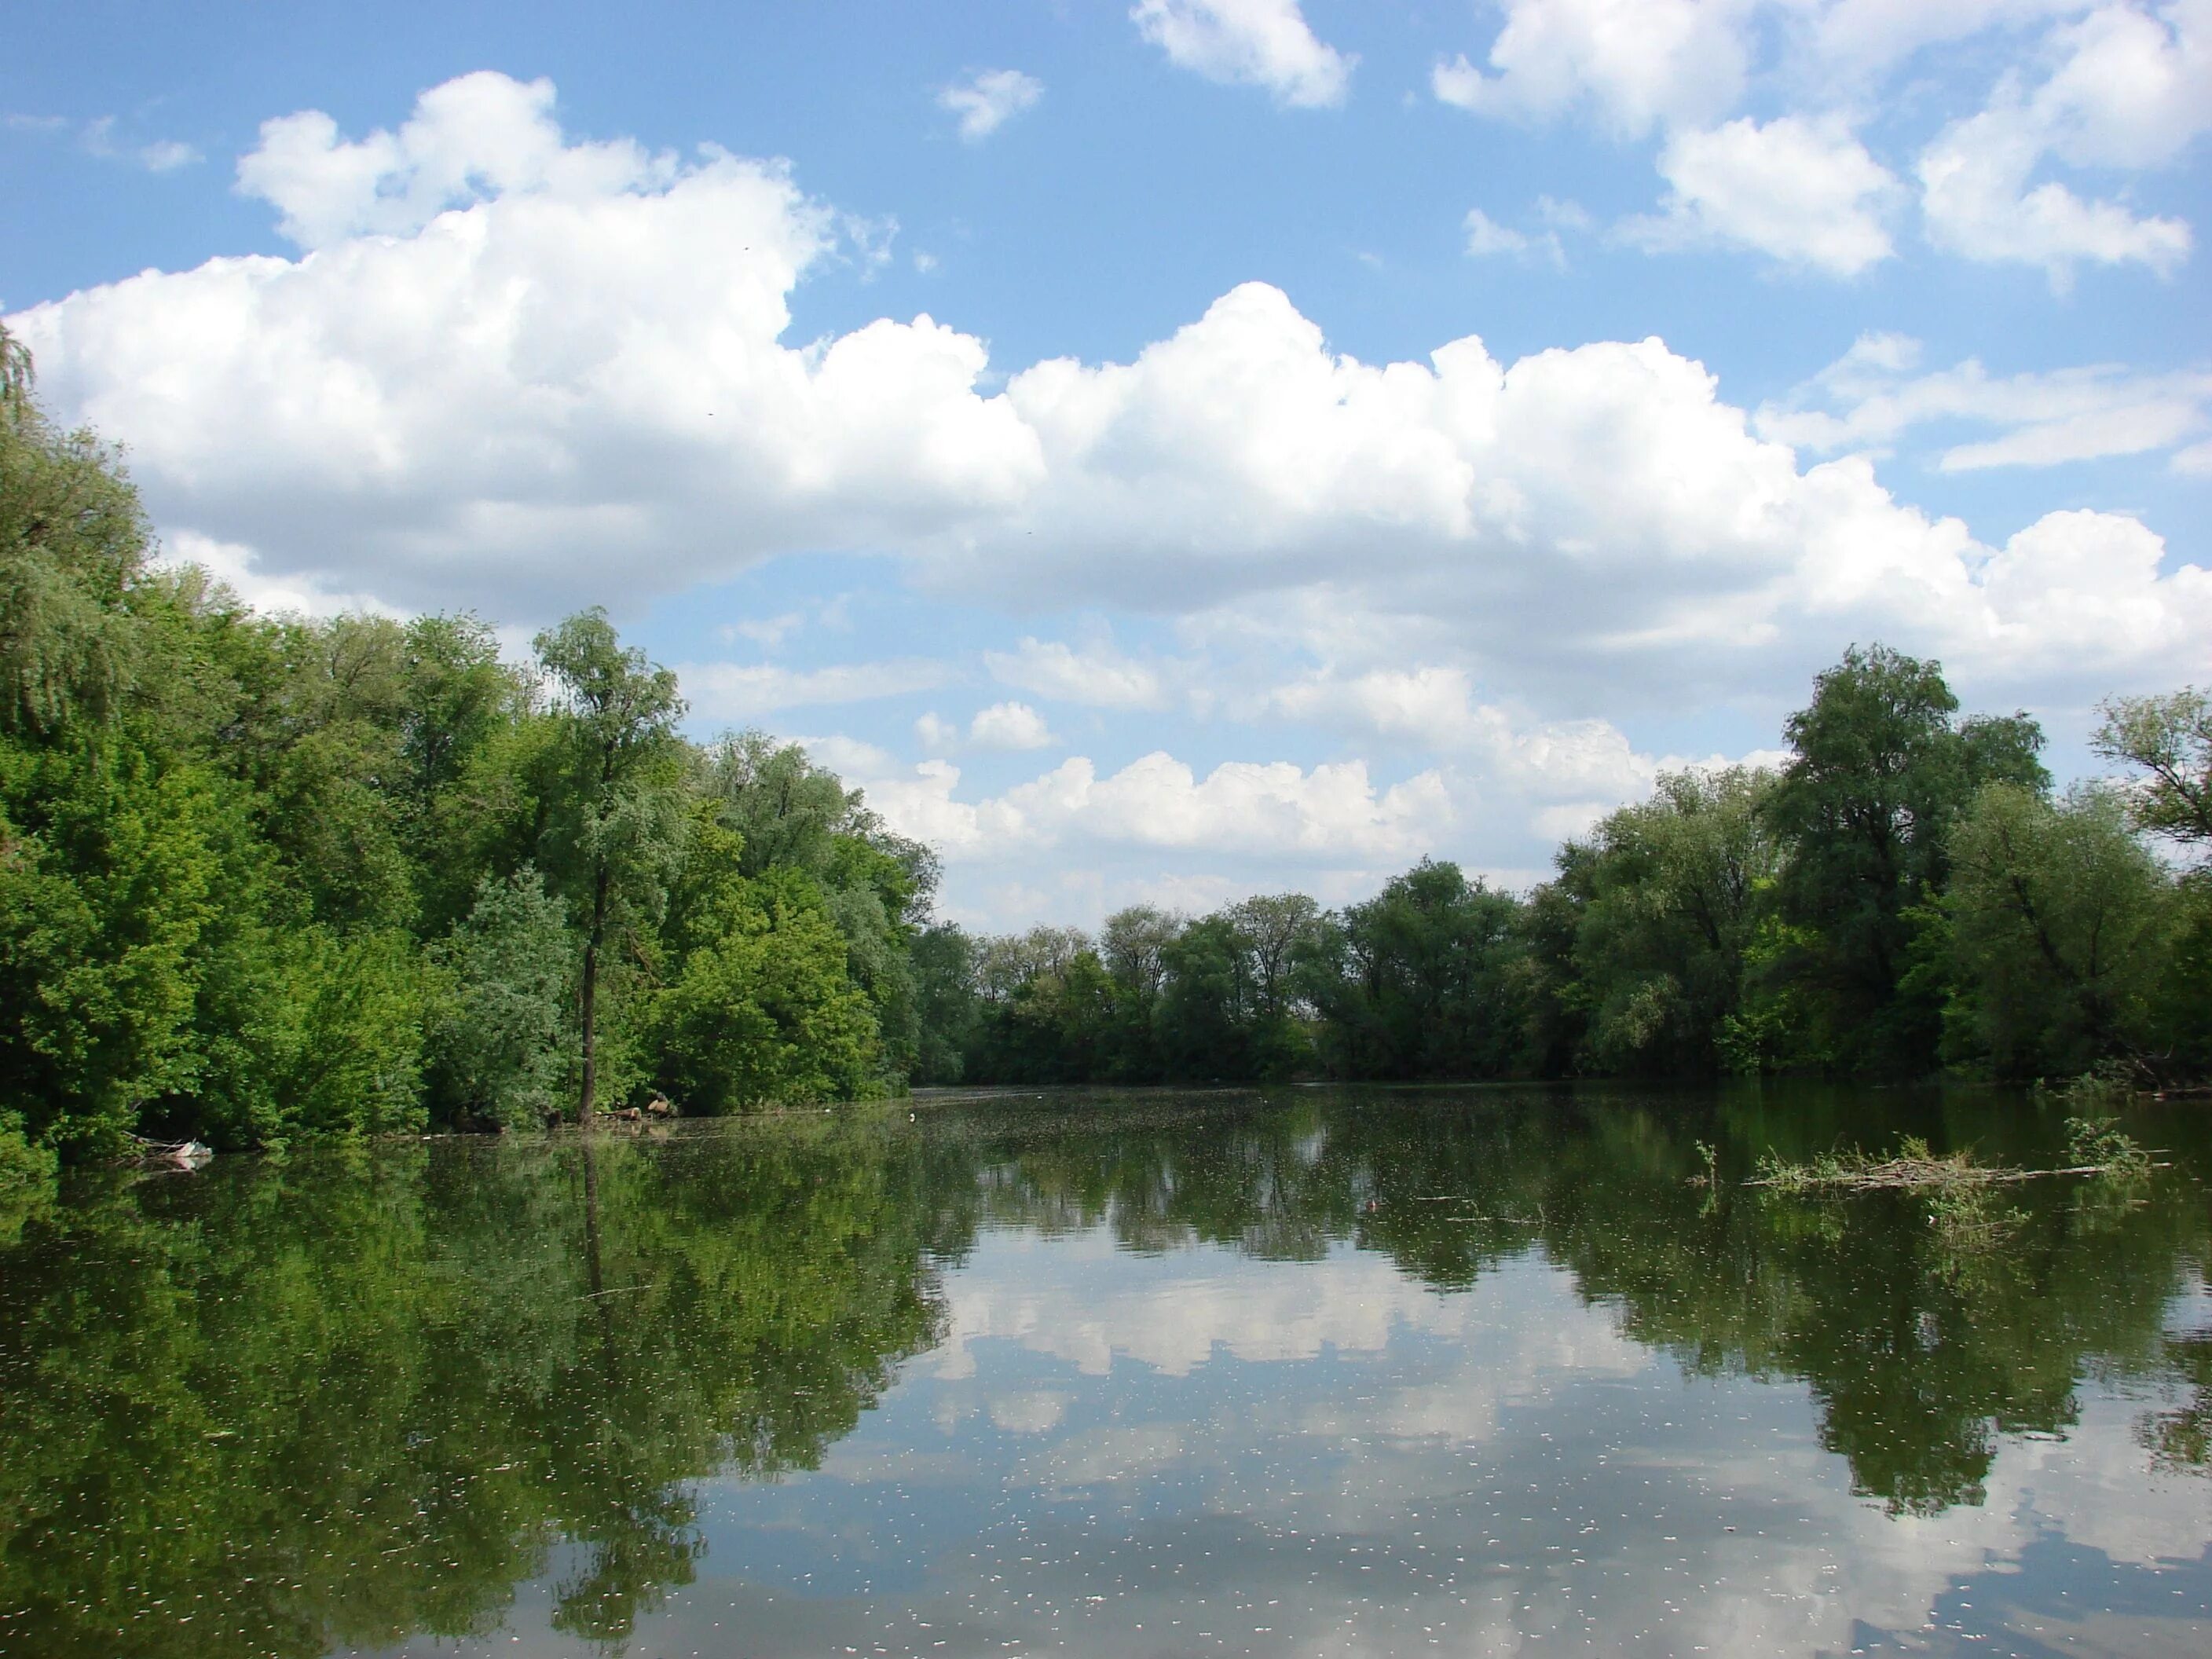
[(519, 371)]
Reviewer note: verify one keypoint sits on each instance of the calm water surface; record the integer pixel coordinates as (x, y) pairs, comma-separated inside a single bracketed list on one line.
[(1319, 1372)]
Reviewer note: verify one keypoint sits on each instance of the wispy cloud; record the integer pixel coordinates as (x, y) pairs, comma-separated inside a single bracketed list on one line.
[(99, 138), (1486, 238), (1097, 675), (988, 99), (1870, 398), (1264, 43), (723, 690)]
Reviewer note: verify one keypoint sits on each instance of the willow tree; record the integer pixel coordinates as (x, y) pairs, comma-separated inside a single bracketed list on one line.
[(2062, 924), (2168, 740), (617, 800), (15, 374)]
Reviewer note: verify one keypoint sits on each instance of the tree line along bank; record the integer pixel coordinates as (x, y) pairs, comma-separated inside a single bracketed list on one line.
[(1906, 897), (267, 877)]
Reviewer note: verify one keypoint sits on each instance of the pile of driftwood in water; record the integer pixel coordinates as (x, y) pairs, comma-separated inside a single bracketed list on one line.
[(168, 1154), (2097, 1149)]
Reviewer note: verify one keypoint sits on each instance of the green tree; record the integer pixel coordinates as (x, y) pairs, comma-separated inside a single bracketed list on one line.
[(498, 1038), (1050, 1011), (73, 541), (1133, 945), (877, 885), (2060, 921), (16, 375), (1671, 890), (1206, 1016), (2168, 740), (788, 811), (764, 1012), (1275, 928), (620, 829), (1556, 1017), (1422, 980), (110, 877), (948, 1011), (1882, 769), (461, 776)]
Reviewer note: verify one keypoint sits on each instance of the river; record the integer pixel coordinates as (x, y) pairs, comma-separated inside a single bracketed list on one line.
[(1314, 1371)]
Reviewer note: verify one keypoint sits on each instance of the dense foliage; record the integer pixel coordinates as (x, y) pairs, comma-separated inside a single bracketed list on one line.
[(262, 877), (1907, 896)]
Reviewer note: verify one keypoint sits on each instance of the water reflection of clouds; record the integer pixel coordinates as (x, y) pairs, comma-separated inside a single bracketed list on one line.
[(1198, 1452), (1086, 1302)]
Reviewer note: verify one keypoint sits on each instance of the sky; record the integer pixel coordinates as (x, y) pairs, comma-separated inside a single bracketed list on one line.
[(1167, 451)]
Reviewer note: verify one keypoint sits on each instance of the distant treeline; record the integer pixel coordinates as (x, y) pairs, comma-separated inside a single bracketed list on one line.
[(1906, 896), (266, 878)]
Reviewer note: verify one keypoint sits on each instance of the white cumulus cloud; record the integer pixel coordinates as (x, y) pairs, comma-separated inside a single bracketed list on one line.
[(479, 136), (1264, 43), (167, 155), (1009, 726), (575, 381), (2131, 87), (938, 736), (1597, 506), (1978, 203), (101, 136), (1806, 192), (2086, 84), (237, 569), (1254, 808), (1636, 63), (1513, 755)]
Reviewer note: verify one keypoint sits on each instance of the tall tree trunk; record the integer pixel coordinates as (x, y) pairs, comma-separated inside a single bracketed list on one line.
[(591, 1008)]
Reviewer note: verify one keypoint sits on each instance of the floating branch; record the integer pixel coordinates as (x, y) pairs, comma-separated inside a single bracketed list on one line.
[(2100, 1149)]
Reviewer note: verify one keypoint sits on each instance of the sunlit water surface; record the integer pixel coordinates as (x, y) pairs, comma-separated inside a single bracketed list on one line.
[(1316, 1372)]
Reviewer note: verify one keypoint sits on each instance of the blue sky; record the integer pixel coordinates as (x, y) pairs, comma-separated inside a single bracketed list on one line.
[(1169, 450)]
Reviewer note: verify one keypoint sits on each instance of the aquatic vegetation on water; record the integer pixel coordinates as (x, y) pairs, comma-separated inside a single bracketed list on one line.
[(1968, 1218), (2099, 1143), (2095, 1148), (1914, 1165), (2095, 1094)]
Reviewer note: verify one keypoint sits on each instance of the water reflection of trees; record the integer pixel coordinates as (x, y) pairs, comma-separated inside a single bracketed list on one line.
[(1923, 1344), (291, 1409), (329, 1404)]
